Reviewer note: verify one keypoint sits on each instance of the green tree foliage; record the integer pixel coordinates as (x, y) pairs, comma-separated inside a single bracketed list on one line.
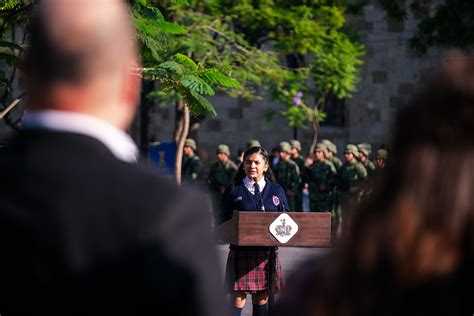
[(190, 80), (13, 15), (321, 58), (179, 76)]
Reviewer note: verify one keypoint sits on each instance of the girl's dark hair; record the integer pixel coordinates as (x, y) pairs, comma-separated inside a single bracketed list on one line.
[(418, 224), (240, 175)]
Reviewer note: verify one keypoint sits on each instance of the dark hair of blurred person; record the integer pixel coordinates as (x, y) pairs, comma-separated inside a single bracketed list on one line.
[(410, 247)]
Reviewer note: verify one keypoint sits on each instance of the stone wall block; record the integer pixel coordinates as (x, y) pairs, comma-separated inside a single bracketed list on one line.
[(379, 76), (236, 113), (395, 25), (214, 125), (406, 89)]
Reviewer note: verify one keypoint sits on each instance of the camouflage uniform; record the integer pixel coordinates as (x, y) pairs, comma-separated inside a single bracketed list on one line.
[(321, 177), (332, 148), (287, 175), (369, 166), (220, 176), (351, 177), (336, 195), (367, 163), (191, 165), (301, 165), (336, 162)]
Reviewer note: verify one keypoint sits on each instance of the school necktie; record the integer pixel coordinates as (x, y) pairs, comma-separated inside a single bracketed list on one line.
[(258, 196)]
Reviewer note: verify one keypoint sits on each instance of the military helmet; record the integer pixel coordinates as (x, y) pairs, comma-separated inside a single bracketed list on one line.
[(190, 143), (350, 148), (285, 147), (253, 143), (320, 147), (295, 144), (223, 148), (381, 154), (330, 145), (364, 151), (367, 147)]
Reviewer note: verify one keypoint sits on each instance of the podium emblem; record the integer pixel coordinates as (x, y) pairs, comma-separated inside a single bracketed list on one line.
[(283, 228)]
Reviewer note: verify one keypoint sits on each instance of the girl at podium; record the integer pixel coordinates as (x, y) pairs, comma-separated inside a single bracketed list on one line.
[(253, 189)]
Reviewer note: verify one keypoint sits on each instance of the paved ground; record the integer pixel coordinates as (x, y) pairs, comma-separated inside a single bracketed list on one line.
[(290, 258)]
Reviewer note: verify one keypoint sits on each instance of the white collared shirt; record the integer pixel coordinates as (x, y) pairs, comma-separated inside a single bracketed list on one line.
[(249, 184), (116, 140)]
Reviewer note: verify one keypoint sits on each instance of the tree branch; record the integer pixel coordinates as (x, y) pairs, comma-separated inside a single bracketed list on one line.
[(11, 105)]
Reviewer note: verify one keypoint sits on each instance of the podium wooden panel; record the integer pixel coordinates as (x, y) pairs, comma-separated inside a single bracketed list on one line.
[(251, 229)]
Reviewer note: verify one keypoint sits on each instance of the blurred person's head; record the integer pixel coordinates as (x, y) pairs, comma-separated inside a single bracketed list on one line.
[(82, 58), (417, 227), (295, 148), (285, 150), (332, 149), (351, 153), (381, 158), (366, 148), (223, 153), (189, 147), (363, 153), (319, 152)]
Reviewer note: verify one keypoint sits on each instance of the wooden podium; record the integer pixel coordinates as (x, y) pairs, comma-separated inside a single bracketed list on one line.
[(252, 229)]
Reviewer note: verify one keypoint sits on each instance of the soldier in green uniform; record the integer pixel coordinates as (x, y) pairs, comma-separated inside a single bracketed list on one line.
[(331, 154), (381, 158), (321, 178), (351, 178), (364, 155), (296, 157), (220, 175), (191, 164), (287, 174)]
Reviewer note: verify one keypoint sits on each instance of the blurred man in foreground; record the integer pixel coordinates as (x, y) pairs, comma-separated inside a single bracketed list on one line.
[(83, 229)]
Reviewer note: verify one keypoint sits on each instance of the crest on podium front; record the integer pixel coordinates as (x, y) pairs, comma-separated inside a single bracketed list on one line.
[(283, 228)]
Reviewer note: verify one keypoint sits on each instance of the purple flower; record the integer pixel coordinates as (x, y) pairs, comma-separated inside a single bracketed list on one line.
[(299, 94), (296, 101)]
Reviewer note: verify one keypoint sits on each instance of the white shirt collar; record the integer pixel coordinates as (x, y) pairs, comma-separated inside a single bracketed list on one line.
[(249, 184), (116, 140)]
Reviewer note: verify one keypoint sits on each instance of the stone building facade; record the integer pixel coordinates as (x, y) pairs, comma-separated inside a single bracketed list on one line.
[(390, 75)]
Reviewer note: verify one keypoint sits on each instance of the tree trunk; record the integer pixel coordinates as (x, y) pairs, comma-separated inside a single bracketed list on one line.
[(315, 125), (314, 140), (179, 120), (181, 132)]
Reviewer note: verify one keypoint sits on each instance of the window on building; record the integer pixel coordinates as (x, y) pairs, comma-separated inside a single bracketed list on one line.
[(335, 112)]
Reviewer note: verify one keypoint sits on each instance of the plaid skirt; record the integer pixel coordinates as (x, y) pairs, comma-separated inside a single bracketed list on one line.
[(246, 270)]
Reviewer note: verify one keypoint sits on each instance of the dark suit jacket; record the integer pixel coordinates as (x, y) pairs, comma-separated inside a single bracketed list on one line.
[(84, 233)]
